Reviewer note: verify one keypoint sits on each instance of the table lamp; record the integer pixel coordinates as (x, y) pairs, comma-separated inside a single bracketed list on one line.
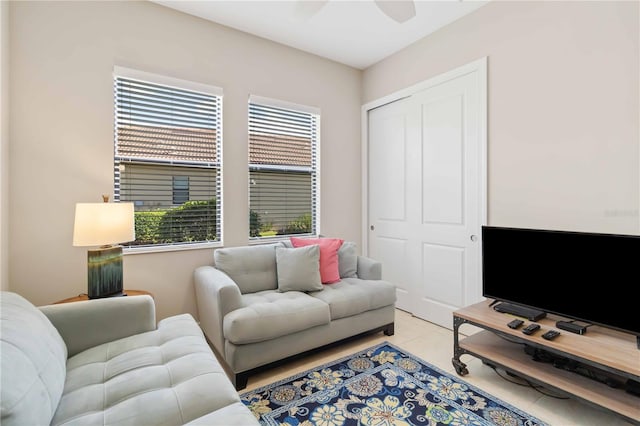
[(104, 225)]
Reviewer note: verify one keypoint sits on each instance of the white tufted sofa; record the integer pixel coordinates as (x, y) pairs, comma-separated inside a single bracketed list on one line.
[(104, 362), (252, 325)]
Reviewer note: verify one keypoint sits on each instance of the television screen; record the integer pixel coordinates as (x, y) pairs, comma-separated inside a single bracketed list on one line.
[(589, 277)]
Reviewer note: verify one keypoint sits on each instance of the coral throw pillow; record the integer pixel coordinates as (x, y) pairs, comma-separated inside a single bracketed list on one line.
[(329, 267)]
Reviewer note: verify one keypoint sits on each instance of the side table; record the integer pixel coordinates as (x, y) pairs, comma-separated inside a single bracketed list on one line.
[(84, 296)]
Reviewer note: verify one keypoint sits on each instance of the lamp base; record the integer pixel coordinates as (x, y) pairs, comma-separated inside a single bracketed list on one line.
[(104, 272)]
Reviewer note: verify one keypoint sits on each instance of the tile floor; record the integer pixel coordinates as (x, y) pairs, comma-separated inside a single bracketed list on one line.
[(434, 344)]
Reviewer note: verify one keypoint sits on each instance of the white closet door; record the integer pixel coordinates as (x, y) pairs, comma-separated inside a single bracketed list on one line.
[(391, 183), (426, 196)]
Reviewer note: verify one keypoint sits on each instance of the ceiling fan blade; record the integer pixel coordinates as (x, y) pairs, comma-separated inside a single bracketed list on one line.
[(305, 9), (398, 10)]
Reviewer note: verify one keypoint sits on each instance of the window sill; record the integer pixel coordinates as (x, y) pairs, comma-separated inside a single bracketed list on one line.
[(266, 240), (170, 247), (283, 238)]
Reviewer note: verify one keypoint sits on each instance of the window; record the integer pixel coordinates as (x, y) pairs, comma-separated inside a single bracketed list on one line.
[(180, 189), (168, 157), (283, 169)]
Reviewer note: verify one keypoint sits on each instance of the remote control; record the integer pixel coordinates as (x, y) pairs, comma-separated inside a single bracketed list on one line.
[(551, 334), (515, 323), (531, 328)]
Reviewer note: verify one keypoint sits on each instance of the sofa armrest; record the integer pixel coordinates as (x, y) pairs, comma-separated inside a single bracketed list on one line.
[(235, 414), (369, 269), (89, 323), (216, 295)]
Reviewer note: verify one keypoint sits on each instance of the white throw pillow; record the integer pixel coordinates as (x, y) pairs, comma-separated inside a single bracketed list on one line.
[(298, 268)]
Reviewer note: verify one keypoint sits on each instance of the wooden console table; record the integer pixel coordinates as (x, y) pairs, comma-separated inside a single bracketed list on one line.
[(601, 348), (84, 296)]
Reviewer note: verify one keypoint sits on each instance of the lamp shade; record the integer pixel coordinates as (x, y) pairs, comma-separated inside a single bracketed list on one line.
[(99, 224)]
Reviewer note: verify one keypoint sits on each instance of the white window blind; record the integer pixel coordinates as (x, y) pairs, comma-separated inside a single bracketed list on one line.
[(283, 170), (167, 159)]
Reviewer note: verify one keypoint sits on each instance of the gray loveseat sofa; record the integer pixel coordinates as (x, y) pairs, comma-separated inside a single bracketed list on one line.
[(253, 325), (104, 362)]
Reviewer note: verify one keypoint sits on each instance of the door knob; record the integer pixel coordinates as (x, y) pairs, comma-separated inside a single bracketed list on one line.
[(473, 238), (373, 228)]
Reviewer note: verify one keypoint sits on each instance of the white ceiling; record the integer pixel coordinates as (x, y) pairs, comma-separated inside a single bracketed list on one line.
[(352, 32)]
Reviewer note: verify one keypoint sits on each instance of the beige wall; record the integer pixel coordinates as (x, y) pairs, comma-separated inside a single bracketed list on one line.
[(4, 146), (563, 132), (63, 55)]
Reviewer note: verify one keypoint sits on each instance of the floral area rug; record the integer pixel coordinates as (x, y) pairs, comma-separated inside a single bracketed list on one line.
[(380, 386)]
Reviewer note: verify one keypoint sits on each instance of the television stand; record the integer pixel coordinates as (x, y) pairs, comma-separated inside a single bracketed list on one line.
[(610, 351)]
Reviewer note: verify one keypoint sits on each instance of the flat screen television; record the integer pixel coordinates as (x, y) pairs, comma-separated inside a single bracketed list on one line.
[(589, 277)]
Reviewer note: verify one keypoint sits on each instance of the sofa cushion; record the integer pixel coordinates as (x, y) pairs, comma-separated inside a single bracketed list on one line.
[(298, 268), (270, 314), (329, 269), (165, 376), (252, 268), (348, 260), (352, 296), (33, 363)]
